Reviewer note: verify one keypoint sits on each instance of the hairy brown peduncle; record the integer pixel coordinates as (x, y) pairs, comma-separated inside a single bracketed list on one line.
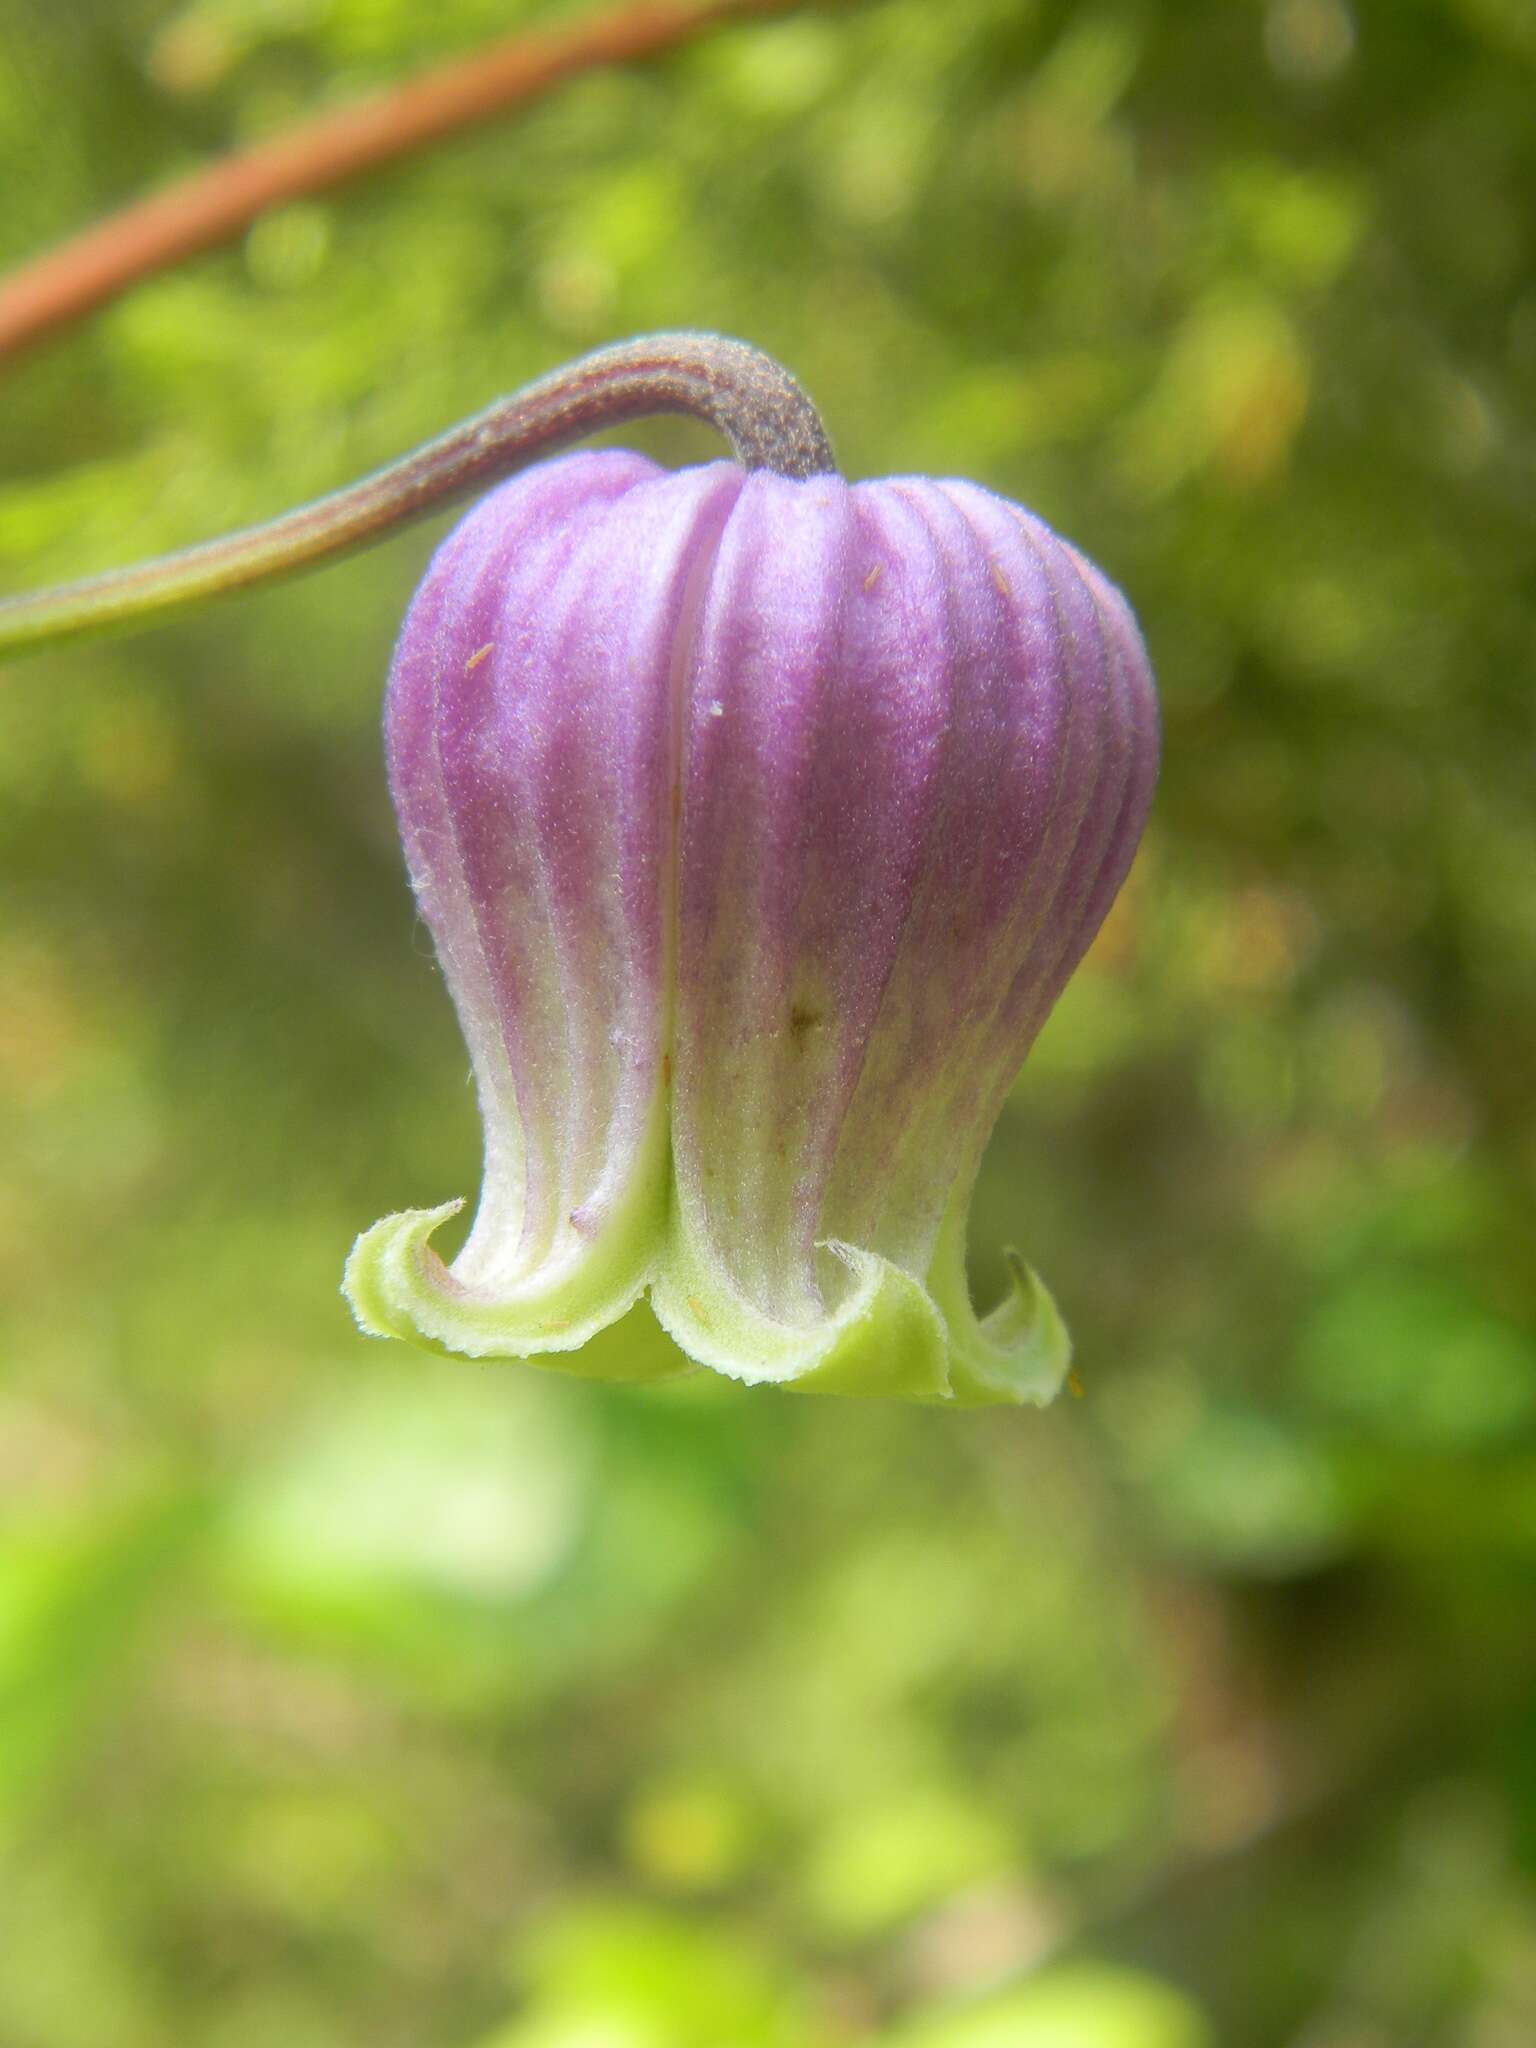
[(755, 405)]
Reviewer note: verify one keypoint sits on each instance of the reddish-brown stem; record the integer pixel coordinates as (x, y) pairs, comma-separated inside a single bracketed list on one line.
[(215, 204)]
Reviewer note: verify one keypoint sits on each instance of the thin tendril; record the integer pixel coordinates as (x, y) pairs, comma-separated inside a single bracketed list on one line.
[(757, 406)]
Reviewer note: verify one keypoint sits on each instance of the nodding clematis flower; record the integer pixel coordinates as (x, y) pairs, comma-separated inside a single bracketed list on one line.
[(759, 820)]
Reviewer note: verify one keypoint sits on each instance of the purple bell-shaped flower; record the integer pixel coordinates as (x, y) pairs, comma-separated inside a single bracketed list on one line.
[(759, 821)]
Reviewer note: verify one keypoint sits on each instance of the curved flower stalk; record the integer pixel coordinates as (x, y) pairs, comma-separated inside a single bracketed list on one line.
[(759, 820)]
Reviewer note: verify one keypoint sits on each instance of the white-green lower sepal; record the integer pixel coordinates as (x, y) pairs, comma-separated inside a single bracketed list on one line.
[(565, 1317), (881, 1336)]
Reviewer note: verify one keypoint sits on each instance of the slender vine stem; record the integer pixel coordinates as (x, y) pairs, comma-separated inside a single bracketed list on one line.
[(757, 406), (218, 202)]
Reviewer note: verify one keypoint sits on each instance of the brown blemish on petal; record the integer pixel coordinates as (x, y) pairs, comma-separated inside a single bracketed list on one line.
[(802, 1018), (874, 576), (1000, 582), (666, 1070), (478, 656)]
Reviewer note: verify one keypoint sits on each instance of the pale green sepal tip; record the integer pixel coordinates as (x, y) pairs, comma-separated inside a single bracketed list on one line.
[(885, 1338), (398, 1287), (384, 1274), (1019, 1351)]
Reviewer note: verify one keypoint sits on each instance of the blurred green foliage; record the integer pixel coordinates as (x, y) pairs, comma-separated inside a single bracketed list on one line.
[(349, 1696)]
